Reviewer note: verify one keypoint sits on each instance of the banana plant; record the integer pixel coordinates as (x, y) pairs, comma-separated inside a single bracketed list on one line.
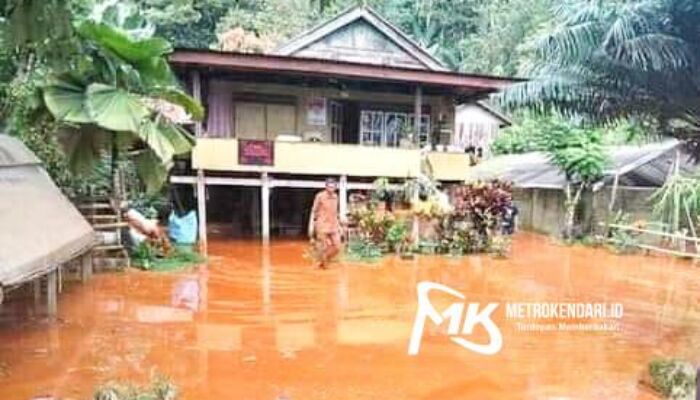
[(114, 98)]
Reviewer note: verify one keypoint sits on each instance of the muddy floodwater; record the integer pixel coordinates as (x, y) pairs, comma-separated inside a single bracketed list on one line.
[(261, 323)]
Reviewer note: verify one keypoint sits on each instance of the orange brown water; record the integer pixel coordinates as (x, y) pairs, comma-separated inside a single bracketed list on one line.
[(263, 324)]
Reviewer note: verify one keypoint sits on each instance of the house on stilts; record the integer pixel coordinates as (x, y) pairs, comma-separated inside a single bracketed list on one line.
[(354, 99)]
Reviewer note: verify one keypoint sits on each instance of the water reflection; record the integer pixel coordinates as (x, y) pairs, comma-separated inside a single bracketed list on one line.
[(260, 322), (186, 294)]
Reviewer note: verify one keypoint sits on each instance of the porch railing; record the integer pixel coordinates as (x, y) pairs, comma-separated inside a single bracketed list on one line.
[(312, 158)]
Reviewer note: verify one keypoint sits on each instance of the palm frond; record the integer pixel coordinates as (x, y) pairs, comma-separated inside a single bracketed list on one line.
[(653, 52)]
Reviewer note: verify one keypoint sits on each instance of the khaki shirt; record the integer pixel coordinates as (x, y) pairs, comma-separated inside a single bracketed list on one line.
[(326, 213)]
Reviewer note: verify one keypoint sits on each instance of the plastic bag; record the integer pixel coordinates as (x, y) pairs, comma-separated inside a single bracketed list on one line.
[(183, 230)]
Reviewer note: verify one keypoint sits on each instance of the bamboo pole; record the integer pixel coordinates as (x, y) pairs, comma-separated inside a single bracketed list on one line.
[(650, 232), (663, 250)]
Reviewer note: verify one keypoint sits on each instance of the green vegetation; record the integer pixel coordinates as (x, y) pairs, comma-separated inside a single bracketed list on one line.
[(363, 250), (578, 151), (623, 241), (114, 96), (580, 155), (160, 388), (148, 257), (469, 35), (677, 203), (603, 61), (531, 131), (470, 223), (674, 379), (94, 84)]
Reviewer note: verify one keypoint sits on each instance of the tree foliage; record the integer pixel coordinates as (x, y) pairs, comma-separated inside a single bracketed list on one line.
[(107, 91), (500, 45), (580, 155), (262, 19), (530, 132), (109, 97), (187, 23), (609, 60)]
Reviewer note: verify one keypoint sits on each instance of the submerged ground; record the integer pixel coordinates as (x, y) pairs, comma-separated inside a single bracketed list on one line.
[(260, 324)]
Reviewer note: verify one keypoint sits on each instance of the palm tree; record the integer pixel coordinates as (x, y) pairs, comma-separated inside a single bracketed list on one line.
[(604, 60)]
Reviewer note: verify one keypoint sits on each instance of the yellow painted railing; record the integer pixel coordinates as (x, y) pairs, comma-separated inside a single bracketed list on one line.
[(313, 159)]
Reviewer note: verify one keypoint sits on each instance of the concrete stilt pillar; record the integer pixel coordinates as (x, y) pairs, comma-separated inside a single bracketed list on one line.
[(52, 293), (86, 267), (202, 210), (265, 206)]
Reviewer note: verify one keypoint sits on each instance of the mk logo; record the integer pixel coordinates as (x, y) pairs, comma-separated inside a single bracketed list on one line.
[(454, 313)]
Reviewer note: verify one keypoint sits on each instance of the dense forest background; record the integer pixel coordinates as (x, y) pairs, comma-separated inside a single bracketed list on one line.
[(621, 70), (481, 36)]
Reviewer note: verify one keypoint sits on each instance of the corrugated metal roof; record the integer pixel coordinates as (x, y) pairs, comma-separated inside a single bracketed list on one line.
[(643, 165), (13, 152)]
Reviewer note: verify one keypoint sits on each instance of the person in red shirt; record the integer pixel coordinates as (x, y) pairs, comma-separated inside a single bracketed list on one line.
[(324, 223)]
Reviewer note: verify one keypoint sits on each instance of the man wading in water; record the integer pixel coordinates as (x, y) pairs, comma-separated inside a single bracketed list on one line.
[(324, 224)]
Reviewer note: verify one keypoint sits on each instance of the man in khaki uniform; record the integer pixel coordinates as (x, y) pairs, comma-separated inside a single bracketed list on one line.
[(324, 223)]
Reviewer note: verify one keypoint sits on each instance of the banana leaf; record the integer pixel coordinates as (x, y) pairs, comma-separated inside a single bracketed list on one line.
[(66, 101), (115, 109), (132, 50)]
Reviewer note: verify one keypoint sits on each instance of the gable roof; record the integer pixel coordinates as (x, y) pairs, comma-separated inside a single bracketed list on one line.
[(362, 14)]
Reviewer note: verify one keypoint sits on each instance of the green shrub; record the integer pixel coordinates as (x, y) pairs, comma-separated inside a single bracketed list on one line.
[(674, 379), (160, 388), (397, 236), (146, 256), (363, 250)]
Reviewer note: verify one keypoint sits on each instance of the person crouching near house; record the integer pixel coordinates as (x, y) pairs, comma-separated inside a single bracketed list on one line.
[(324, 223)]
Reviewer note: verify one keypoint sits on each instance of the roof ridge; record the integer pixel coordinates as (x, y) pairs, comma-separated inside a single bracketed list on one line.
[(377, 21)]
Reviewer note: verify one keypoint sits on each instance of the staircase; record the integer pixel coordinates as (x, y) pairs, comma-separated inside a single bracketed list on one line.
[(111, 253)]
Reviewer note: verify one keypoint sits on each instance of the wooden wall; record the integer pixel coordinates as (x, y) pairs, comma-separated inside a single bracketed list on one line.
[(284, 107)]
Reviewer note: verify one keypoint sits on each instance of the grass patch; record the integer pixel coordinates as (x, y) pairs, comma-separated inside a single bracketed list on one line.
[(180, 257), (160, 388)]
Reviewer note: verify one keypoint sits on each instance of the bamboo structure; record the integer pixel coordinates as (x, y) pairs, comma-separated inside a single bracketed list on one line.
[(675, 237)]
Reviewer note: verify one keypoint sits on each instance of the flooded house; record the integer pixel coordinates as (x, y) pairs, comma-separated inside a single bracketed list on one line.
[(353, 98)]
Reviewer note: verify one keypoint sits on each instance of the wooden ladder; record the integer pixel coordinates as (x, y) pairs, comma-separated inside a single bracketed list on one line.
[(108, 223)]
